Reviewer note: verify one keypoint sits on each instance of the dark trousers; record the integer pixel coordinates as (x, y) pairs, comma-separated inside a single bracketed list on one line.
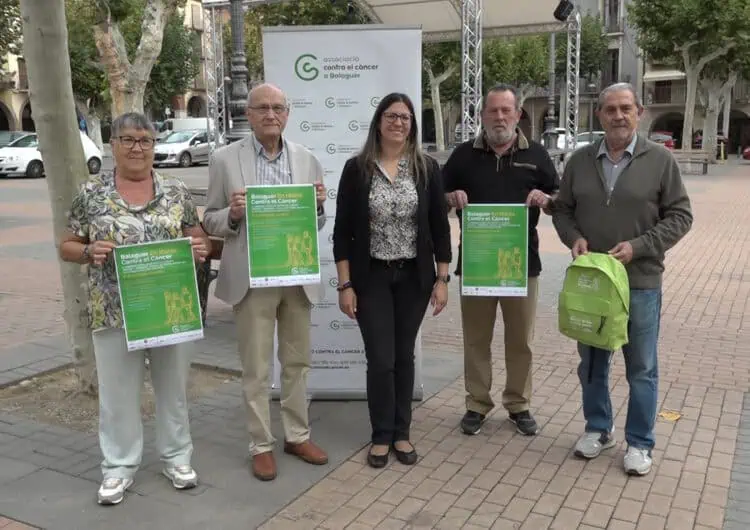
[(390, 310)]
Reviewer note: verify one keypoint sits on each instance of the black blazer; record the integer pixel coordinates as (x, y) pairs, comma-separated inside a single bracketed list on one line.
[(351, 230)]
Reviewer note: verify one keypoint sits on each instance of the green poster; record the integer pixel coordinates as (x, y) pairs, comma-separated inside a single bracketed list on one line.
[(158, 293), (494, 243), (282, 235)]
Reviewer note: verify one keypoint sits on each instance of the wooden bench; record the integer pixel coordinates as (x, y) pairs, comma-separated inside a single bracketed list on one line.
[(692, 156)]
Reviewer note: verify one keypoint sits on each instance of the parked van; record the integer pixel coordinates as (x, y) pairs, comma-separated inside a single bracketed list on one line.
[(185, 124)]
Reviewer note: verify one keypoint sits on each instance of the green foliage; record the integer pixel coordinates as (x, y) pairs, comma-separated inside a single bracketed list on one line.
[(10, 28), (664, 26), (441, 56), (177, 65), (594, 44), (89, 80), (520, 61), (299, 13)]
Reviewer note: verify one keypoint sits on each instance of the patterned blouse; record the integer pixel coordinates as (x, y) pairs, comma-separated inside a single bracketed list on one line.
[(393, 215), (99, 212)]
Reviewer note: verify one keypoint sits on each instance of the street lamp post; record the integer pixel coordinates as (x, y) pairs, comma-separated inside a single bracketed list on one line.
[(238, 101)]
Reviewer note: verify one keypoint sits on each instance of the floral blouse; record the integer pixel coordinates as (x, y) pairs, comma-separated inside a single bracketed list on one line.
[(393, 215), (99, 212)]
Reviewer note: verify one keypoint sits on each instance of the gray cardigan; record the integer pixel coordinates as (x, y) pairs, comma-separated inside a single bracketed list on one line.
[(649, 207)]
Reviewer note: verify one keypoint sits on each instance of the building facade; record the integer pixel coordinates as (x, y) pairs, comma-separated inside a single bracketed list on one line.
[(623, 64)]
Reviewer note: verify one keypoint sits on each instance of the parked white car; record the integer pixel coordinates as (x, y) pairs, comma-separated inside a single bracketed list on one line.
[(182, 148), (21, 157)]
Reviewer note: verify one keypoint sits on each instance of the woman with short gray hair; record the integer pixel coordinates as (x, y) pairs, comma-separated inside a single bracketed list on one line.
[(133, 204)]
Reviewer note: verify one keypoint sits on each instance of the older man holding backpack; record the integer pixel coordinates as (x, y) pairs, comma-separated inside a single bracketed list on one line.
[(623, 196)]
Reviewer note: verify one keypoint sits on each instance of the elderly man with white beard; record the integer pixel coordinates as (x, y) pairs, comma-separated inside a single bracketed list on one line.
[(501, 166)]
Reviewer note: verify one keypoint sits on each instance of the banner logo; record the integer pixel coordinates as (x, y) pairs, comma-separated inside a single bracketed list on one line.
[(330, 103), (337, 325), (333, 282), (315, 126), (305, 68), (331, 149), (330, 238), (331, 193), (374, 101), (356, 125)]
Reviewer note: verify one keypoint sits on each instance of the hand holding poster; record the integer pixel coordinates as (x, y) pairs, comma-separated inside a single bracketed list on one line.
[(494, 242), (158, 293), (282, 235)]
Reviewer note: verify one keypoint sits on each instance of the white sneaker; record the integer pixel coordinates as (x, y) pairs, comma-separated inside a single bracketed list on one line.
[(112, 490), (637, 461), (183, 477), (591, 444)]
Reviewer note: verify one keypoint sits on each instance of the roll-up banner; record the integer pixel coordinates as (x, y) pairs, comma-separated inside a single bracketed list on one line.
[(334, 78)]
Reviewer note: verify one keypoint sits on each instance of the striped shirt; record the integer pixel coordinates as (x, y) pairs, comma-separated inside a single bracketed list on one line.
[(271, 171)]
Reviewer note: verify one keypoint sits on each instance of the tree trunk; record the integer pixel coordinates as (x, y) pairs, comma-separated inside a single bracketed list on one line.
[(50, 87), (711, 122), (726, 95), (693, 71), (127, 81), (524, 91), (437, 108), (95, 129), (692, 89), (726, 116), (93, 123)]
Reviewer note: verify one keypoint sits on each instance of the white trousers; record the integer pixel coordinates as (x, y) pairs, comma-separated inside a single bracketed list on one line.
[(121, 375)]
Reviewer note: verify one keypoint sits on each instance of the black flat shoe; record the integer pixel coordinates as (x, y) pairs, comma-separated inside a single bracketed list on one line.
[(377, 461), (408, 458)]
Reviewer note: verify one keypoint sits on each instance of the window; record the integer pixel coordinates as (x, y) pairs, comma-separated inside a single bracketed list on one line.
[(23, 79), (611, 72), (612, 15), (663, 92), (25, 141)]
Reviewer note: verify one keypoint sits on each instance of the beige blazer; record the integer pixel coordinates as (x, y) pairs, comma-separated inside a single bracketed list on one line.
[(231, 169)]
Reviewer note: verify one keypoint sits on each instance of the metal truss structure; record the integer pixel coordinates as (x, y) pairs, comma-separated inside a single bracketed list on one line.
[(213, 48), (572, 78), (471, 67)]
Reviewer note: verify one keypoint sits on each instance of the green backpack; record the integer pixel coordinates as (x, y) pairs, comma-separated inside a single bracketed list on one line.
[(594, 305)]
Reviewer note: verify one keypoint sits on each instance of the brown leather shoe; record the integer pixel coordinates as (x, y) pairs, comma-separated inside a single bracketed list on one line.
[(264, 466), (307, 451)]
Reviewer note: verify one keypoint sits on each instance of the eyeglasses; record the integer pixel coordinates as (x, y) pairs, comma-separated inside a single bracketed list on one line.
[(128, 142), (276, 109), (393, 116)]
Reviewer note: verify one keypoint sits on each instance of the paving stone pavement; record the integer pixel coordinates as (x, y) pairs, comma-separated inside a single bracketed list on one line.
[(498, 479)]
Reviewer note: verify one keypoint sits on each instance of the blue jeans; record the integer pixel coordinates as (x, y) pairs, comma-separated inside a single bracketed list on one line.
[(641, 371)]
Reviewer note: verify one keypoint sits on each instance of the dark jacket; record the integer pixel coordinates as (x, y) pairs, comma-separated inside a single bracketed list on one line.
[(508, 179), (649, 207), (351, 230)]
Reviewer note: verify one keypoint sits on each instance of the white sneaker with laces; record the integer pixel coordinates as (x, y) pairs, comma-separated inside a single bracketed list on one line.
[(112, 490), (591, 444), (182, 476), (637, 461)]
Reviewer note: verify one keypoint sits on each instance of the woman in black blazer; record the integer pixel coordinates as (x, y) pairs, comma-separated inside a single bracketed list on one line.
[(391, 228)]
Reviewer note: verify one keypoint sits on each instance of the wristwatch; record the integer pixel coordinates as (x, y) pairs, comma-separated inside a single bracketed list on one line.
[(444, 279)]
